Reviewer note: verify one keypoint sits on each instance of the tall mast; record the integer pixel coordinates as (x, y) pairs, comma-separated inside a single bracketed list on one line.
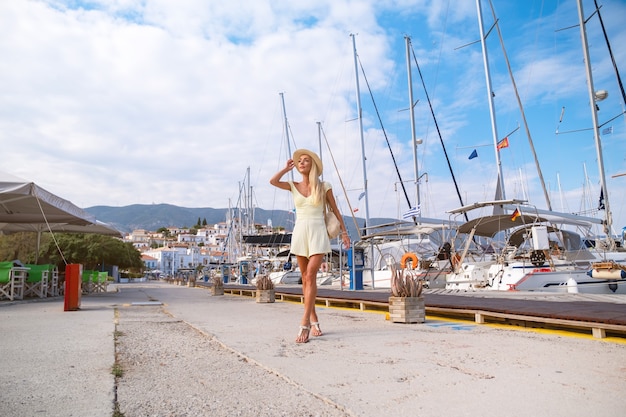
[(558, 181), (413, 136), (494, 128), (319, 142), (249, 210), (240, 217), (360, 117), (282, 99), (608, 45), (521, 107), (607, 224), (231, 232)]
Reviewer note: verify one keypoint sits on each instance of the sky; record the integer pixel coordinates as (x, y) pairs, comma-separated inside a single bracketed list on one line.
[(120, 102)]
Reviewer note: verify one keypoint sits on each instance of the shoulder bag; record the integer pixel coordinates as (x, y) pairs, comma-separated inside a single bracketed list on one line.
[(332, 223)]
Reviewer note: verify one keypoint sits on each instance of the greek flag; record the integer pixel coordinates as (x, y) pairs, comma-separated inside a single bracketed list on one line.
[(415, 211), (608, 130)]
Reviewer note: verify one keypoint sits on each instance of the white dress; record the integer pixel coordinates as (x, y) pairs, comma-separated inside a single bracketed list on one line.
[(309, 233)]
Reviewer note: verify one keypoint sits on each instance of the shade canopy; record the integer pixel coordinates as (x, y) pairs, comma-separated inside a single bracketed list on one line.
[(25, 202), (99, 228), (26, 207)]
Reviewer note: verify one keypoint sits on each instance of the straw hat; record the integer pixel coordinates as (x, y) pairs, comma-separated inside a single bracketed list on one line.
[(316, 159)]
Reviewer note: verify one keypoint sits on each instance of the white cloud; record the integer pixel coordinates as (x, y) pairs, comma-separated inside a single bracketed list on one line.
[(123, 102)]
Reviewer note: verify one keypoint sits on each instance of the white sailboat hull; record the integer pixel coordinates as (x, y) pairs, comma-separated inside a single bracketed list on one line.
[(295, 278), (382, 278), (525, 277), (286, 277)]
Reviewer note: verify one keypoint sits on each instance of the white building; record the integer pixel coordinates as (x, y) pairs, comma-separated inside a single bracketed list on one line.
[(150, 262), (170, 259)]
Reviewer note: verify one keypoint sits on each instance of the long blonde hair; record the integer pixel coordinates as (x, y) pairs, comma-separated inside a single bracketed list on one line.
[(317, 187)]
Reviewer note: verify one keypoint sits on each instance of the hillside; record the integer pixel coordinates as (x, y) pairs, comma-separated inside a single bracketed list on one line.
[(154, 216)]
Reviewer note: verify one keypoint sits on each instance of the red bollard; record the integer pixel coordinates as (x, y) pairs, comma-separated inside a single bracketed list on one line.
[(73, 289)]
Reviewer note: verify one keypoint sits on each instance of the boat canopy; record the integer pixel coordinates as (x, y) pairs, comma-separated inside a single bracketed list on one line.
[(519, 236), (569, 241), (489, 226), (482, 204), (276, 239), (403, 229), (406, 231)]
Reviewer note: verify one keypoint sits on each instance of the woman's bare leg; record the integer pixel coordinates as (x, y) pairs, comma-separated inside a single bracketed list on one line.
[(309, 268)]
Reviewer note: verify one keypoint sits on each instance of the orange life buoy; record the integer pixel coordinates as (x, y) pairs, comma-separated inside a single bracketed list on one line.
[(409, 256), (324, 267)]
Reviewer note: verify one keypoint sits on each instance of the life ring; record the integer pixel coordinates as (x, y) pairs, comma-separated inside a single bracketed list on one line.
[(324, 267), (409, 256)]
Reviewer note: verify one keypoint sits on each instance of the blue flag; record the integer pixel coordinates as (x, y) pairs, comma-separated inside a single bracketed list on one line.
[(473, 155)]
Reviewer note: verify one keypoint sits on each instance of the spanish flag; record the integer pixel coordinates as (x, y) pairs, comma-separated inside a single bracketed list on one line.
[(515, 215), (504, 143)]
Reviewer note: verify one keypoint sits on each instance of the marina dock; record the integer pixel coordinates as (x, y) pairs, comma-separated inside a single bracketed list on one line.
[(601, 315)]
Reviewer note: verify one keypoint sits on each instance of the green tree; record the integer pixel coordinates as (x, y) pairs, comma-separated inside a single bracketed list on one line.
[(165, 231), (21, 246), (87, 249)]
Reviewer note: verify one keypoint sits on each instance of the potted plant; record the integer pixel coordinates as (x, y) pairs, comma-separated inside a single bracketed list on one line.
[(218, 285), (265, 290), (406, 304), (191, 281)]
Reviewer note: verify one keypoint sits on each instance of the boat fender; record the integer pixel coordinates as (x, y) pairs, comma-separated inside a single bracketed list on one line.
[(409, 256), (455, 261), (607, 273), (572, 286)]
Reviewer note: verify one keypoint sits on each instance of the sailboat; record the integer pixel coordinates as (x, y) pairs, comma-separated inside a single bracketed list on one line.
[(417, 243), (606, 268), (531, 249)]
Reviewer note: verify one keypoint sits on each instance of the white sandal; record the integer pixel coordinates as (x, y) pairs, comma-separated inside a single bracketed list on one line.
[(301, 332), (317, 327)]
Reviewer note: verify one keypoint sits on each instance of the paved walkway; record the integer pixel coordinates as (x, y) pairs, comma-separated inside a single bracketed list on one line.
[(58, 363)]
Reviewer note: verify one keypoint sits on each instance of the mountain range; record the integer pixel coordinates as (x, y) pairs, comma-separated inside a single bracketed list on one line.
[(154, 216)]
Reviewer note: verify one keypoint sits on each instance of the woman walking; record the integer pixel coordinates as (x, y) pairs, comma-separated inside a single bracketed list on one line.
[(309, 241)]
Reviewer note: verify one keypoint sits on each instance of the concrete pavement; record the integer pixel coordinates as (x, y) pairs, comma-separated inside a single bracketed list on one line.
[(58, 363)]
